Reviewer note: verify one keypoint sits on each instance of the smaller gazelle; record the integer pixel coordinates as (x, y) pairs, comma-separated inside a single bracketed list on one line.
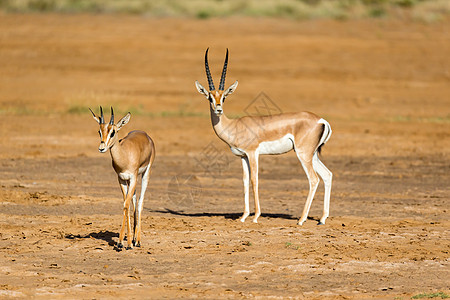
[(131, 156), (251, 136)]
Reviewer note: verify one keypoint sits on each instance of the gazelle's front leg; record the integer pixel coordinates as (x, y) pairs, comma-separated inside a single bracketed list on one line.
[(253, 163), (123, 187), (246, 179), (126, 214)]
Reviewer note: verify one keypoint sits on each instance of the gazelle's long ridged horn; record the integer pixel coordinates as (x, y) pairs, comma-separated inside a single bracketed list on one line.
[(224, 73), (208, 73), (102, 119), (112, 117)]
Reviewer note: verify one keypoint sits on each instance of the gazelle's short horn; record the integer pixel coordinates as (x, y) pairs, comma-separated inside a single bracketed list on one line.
[(92, 112), (112, 117), (102, 119)]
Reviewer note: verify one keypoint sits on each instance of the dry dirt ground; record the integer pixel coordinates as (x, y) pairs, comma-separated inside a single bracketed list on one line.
[(383, 85)]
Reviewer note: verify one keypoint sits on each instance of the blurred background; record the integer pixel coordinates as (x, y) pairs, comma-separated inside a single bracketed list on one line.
[(359, 63), (422, 10)]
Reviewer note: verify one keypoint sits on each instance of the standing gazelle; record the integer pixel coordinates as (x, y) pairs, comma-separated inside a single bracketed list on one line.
[(250, 136), (131, 156)]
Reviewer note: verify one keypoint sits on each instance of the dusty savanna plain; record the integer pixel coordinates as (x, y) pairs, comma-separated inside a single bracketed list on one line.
[(383, 85)]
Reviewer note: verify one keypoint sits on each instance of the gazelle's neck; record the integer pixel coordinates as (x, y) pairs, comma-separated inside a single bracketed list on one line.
[(116, 151), (221, 125)]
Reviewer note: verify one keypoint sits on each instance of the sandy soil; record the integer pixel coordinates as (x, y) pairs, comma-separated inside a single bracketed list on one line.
[(383, 86)]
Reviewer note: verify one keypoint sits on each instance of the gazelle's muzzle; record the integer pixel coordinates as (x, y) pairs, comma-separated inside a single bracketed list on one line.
[(102, 148), (218, 110)]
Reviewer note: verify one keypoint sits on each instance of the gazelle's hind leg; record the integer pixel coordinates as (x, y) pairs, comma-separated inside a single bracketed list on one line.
[(140, 205), (313, 184), (327, 177)]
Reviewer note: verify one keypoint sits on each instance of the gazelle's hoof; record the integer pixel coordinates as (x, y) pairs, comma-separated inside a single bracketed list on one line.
[(321, 223), (138, 244), (256, 216), (242, 219), (118, 247), (129, 248), (300, 223)]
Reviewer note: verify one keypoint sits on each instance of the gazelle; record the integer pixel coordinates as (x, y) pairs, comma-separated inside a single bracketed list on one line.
[(131, 156), (251, 136)]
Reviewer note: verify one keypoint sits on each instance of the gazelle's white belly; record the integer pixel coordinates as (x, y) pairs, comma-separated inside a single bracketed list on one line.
[(279, 146)]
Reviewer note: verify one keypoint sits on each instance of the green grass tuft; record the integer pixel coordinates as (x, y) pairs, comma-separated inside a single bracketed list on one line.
[(18, 110), (78, 110), (203, 14), (441, 295), (291, 246)]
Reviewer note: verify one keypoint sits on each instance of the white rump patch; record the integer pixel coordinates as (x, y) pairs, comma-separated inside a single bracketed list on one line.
[(326, 133)]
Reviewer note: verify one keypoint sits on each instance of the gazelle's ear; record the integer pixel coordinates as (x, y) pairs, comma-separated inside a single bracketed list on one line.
[(96, 118), (231, 89), (123, 121), (201, 89)]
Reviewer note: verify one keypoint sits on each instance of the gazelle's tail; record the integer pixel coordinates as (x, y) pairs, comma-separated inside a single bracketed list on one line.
[(325, 135)]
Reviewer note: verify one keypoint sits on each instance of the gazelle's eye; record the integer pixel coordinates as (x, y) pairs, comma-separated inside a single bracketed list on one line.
[(112, 133)]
